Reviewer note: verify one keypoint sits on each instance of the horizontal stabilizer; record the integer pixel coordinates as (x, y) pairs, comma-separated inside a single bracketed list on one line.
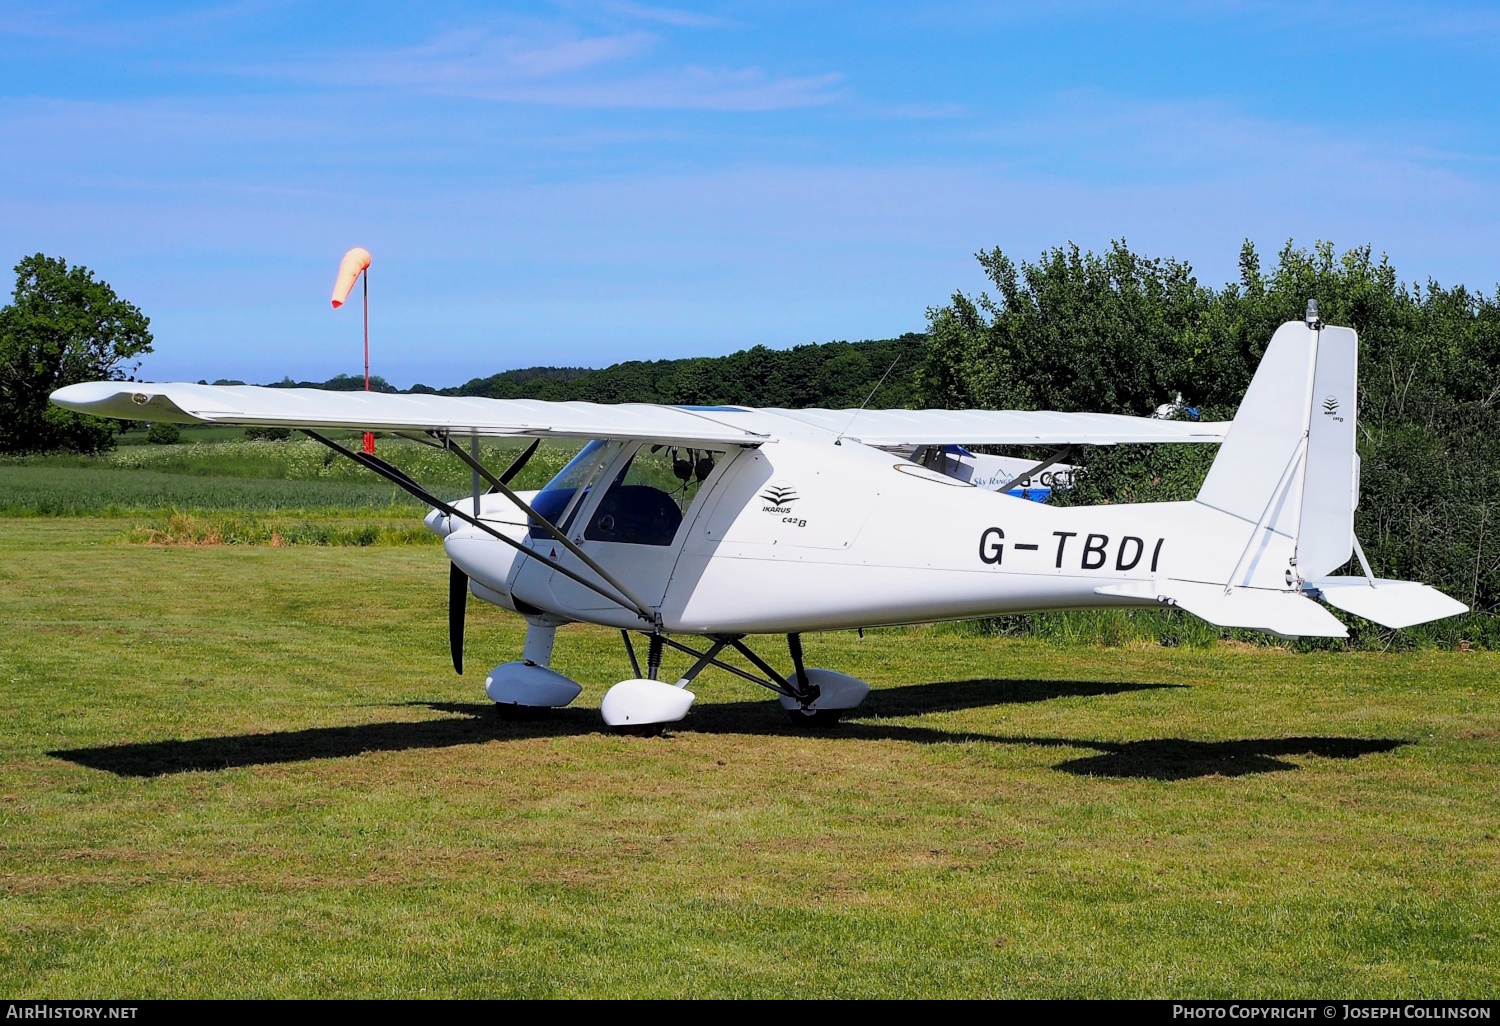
[(1393, 604), (1281, 612)]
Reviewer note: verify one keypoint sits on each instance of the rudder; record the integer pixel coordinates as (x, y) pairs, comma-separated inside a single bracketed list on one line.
[(1330, 489)]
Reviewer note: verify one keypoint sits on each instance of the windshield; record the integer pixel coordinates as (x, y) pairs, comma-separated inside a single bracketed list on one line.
[(572, 482)]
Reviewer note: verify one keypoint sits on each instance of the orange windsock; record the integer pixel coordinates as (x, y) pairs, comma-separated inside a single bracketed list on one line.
[(355, 263)]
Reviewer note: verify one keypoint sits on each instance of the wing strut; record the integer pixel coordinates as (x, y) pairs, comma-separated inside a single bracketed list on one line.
[(396, 477), (1025, 476)]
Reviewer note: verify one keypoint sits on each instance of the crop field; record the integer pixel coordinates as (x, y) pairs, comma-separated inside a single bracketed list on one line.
[(249, 770), (217, 488), (241, 475)]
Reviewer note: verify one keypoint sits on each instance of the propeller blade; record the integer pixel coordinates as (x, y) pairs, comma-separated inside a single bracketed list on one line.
[(458, 605), (515, 468)]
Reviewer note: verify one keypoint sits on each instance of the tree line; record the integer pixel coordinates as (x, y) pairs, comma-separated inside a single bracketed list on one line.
[(832, 374)]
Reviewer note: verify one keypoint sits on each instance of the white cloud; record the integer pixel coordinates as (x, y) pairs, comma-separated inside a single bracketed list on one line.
[(665, 15), (926, 111), (466, 61), (690, 88), (555, 65)]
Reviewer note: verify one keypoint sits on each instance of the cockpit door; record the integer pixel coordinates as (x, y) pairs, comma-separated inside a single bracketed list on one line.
[(634, 522)]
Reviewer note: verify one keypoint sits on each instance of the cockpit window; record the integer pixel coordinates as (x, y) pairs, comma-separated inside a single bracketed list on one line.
[(566, 492), (648, 497)]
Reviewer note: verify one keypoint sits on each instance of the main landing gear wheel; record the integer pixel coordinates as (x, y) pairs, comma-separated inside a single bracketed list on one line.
[(641, 730), (643, 707), (822, 718), (509, 711), (819, 698)]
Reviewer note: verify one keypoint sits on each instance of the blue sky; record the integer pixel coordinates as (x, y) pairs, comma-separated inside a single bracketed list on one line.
[(585, 182)]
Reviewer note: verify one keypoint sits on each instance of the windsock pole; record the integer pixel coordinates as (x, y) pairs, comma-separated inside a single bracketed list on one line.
[(356, 264), (369, 435)]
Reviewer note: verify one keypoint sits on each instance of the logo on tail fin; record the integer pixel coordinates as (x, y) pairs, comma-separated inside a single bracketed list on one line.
[(1331, 409)]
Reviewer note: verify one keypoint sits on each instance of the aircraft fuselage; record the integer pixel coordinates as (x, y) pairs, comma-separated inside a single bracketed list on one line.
[(803, 534)]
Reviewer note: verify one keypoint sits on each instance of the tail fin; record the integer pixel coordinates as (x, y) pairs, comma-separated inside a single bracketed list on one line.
[(1288, 466), (1288, 462)]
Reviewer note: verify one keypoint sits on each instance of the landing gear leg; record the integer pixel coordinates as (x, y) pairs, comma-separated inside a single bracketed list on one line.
[(801, 715), (794, 644), (653, 657), (630, 651)]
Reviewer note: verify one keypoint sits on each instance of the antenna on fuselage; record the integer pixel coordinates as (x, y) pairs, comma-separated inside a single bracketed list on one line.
[(840, 439)]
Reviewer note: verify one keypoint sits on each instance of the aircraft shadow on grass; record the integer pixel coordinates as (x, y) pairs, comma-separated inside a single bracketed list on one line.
[(478, 723)]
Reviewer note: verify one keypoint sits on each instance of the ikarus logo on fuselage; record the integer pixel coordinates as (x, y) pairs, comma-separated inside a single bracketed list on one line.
[(780, 497)]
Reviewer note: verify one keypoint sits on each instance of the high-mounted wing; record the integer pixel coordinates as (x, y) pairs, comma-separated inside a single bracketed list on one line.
[(462, 415), (382, 411), (1002, 427)]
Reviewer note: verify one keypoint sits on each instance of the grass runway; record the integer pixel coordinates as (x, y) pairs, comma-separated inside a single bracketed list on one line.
[(249, 771)]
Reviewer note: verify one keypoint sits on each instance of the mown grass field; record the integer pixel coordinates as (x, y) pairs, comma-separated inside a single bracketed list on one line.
[(249, 770)]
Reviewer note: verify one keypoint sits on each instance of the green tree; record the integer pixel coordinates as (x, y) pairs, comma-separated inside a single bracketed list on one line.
[(1074, 331), (162, 433), (63, 326)]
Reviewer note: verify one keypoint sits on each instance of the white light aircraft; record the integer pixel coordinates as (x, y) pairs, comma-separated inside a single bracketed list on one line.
[(1025, 479), (699, 526)]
